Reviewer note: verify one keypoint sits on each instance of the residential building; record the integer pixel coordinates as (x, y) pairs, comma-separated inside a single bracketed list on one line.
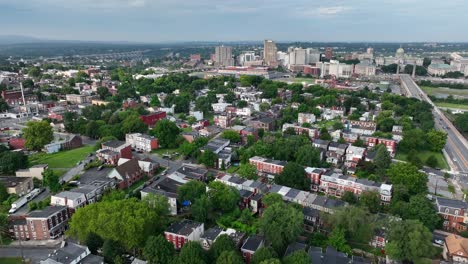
[(142, 142), (167, 187), (219, 107), (455, 249), (335, 68), (78, 98), (314, 175), (250, 246), (191, 172), (305, 118), (223, 56), (333, 112), (15, 97), (453, 212), (179, 233), (265, 123), (223, 120), (267, 166), (354, 155), (17, 185), (269, 53), (243, 184), (112, 151), (152, 118), (127, 173), (71, 253), (72, 200), (36, 171), (210, 236), (321, 144), (390, 144), (312, 133), (45, 224), (71, 142)]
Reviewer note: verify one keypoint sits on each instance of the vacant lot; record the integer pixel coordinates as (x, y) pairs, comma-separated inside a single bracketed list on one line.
[(62, 159), (441, 90), (449, 105), (423, 155)]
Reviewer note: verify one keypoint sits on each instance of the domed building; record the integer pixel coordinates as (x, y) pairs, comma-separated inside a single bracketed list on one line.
[(400, 58), (400, 53)]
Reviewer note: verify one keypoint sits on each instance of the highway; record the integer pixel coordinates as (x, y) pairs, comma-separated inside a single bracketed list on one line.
[(456, 147)]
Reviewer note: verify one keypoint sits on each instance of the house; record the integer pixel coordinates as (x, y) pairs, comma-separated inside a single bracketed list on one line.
[(250, 246), (219, 107), (142, 142), (45, 224), (312, 133), (314, 175), (209, 131), (333, 112), (265, 123), (371, 142), (127, 173), (305, 118), (35, 171), (152, 118), (72, 200), (354, 155), (320, 143), (455, 249), (190, 136), (293, 247), (77, 98), (17, 185), (335, 153), (330, 256), (267, 166), (112, 151), (167, 187), (360, 127), (219, 146), (246, 132), (210, 236), (453, 212), (223, 120), (71, 253), (397, 133), (311, 219), (72, 142), (180, 233), (191, 172)]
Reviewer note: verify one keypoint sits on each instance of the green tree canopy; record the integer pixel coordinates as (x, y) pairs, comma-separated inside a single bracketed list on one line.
[(201, 208), (192, 252), (293, 175), (51, 180), (298, 257), (167, 133), (371, 200), (37, 134), (191, 191), (436, 140), (222, 244), (356, 222), (94, 242), (409, 176), (232, 135), (229, 257), (248, 171), (208, 158), (308, 155), (158, 250), (338, 241), (263, 254), (223, 197)]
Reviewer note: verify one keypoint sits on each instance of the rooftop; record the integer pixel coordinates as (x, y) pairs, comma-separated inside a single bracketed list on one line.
[(184, 228), (46, 212)]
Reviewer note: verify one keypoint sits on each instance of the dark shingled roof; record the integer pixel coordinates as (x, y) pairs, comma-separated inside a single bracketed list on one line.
[(113, 143), (252, 243), (46, 212), (183, 228)]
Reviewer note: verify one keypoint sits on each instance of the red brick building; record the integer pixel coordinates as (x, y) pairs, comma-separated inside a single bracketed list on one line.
[(454, 214), (112, 151), (127, 173), (151, 119), (180, 233), (250, 246), (267, 166), (16, 143), (15, 97), (314, 175)]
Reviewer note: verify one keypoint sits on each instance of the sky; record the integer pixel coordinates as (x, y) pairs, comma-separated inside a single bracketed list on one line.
[(237, 20)]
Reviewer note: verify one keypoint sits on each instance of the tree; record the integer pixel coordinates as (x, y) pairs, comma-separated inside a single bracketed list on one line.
[(436, 140), (409, 240), (158, 203), (232, 135), (248, 171), (192, 252), (37, 134), (281, 224), (230, 257), (324, 135), (414, 159), (308, 155), (201, 208), (338, 241), (461, 122), (103, 92), (431, 161), (242, 104), (158, 250), (262, 254), (349, 197), (94, 242), (155, 101), (3, 193), (293, 175), (3, 105), (12, 161), (223, 197), (133, 124), (111, 249), (298, 257), (370, 200), (34, 72), (222, 244), (208, 158), (356, 222), (166, 132), (51, 180), (272, 198), (420, 208), (409, 176), (318, 239), (271, 261), (413, 139), (382, 159), (191, 191)]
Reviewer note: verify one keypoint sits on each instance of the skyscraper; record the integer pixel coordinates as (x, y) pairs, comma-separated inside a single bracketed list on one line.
[(269, 52), (223, 56), (329, 53)]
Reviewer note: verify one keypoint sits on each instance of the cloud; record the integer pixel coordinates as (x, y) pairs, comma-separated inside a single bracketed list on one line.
[(332, 10)]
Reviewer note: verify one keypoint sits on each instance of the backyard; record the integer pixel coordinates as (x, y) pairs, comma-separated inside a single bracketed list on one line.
[(423, 155), (62, 159), (10, 261)]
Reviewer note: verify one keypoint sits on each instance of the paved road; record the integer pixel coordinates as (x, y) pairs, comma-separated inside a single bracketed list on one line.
[(457, 146), (25, 209), (36, 254)]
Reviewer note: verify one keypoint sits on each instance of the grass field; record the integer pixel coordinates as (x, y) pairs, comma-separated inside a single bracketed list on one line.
[(423, 155), (441, 90), (10, 260), (62, 159), (449, 105)]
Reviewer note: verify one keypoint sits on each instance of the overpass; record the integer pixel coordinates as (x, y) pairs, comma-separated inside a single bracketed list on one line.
[(456, 148)]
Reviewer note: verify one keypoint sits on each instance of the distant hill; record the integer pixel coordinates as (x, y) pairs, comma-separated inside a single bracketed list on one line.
[(17, 39)]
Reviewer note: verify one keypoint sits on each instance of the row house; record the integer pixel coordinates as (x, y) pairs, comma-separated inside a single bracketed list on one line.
[(312, 133), (127, 173), (152, 118), (45, 224), (210, 236), (454, 214), (78, 98), (314, 175), (71, 253), (360, 127), (265, 123), (142, 142), (306, 118), (267, 166), (246, 132), (336, 153), (253, 191), (288, 194), (455, 249), (219, 107), (321, 144), (390, 144), (209, 131), (15, 97), (180, 233), (167, 187), (35, 171), (112, 151), (337, 184), (333, 112), (354, 155), (223, 120), (17, 185), (191, 172), (397, 133), (219, 146)]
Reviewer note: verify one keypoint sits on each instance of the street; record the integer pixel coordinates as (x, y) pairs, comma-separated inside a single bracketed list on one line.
[(36, 254)]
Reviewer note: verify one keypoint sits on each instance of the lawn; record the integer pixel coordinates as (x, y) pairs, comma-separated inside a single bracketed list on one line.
[(10, 261), (449, 105), (423, 155), (62, 159), (441, 90), (232, 169)]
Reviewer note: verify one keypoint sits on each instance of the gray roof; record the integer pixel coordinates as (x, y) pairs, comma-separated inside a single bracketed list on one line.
[(252, 243), (69, 195), (69, 253), (184, 228), (293, 247), (114, 143), (212, 233), (46, 212), (451, 203)]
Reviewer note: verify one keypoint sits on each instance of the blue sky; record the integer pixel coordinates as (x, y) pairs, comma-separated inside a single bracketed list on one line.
[(232, 20)]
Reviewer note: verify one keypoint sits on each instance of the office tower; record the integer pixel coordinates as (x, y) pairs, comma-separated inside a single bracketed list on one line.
[(269, 53), (223, 56), (329, 53)]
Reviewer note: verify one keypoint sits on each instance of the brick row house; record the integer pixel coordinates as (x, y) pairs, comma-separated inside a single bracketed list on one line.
[(142, 142), (454, 214), (312, 133), (267, 166), (48, 223), (112, 151), (180, 233), (152, 118)]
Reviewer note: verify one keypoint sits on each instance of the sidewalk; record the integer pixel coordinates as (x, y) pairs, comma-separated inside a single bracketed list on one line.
[(36, 243)]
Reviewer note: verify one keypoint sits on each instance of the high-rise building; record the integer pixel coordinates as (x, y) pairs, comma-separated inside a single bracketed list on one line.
[(313, 56), (223, 56), (298, 57), (329, 53), (269, 52)]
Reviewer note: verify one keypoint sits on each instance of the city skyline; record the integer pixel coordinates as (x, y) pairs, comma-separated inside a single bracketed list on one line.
[(242, 20)]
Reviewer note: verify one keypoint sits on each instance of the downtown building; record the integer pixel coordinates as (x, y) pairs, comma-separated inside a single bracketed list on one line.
[(223, 56)]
